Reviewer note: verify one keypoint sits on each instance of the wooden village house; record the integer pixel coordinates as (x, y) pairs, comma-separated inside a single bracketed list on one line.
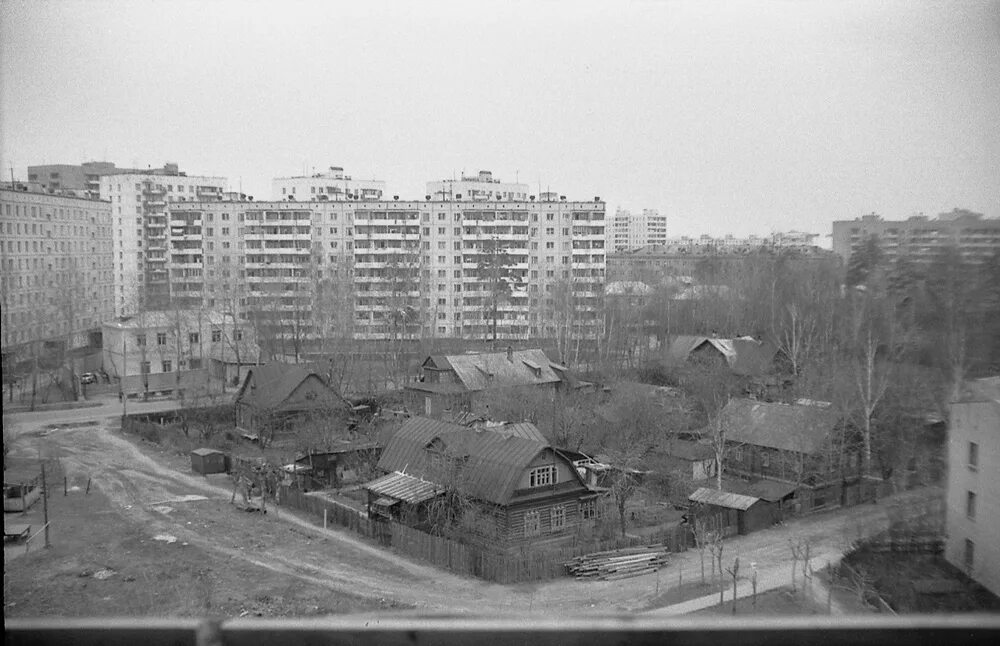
[(452, 384), (275, 396), (522, 490), (804, 447)]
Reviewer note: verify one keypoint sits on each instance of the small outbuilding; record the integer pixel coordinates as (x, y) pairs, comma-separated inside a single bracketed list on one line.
[(206, 461), (732, 512)]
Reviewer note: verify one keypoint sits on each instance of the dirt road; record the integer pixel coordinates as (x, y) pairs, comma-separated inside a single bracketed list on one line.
[(166, 501)]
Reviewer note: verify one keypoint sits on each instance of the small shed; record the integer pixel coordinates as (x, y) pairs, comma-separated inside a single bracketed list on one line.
[(206, 461), (736, 513)]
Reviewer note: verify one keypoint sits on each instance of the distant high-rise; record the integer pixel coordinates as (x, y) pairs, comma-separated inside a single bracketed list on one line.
[(81, 180), (633, 230), (921, 238), (139, 202), (331, 186), (477, 188)]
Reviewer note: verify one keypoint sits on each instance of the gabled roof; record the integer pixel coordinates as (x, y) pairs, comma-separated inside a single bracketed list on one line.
[(492, 462), (744, 355), (498, 370), (722, 499), (802, 428), (274, 383), (401, 486)]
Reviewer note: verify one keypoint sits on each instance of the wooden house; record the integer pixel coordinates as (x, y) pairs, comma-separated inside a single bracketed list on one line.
[(733, 513), (274, 396), (744, 356), (804, 444), (342, 464), (450, 384), (523, 491)]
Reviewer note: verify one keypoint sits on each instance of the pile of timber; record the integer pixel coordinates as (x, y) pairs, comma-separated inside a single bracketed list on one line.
[(619, 564)]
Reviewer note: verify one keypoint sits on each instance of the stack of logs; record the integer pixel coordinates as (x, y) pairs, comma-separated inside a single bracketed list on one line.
[(619, 564)]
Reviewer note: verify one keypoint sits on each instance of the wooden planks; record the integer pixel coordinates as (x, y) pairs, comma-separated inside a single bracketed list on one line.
[(619, 564)]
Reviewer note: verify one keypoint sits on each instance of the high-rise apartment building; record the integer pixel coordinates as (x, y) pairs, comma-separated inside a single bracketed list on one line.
[(331, 186), (973, 493), (82, 180), (633, 230), (55, 269), (477, 188), (921, 238), (139, 202), (395, 269)]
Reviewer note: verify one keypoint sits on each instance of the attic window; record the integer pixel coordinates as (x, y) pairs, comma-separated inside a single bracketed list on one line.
[(542, 476), (535, 368)]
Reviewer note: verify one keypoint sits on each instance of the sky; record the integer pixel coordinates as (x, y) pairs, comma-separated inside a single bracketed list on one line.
[(730, 117)]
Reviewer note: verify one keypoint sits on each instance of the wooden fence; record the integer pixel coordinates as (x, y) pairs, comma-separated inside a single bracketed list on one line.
[(526, 564)]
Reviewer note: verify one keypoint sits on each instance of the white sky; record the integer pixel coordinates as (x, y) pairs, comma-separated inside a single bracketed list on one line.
[(728, 117)]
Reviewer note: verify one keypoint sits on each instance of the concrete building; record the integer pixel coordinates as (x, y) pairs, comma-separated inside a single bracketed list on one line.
[(55, 270), (921, 238), (633, 230), (477, 188), (973, 493), (82, 180), (330, 186), (139, 202), (399, 269)]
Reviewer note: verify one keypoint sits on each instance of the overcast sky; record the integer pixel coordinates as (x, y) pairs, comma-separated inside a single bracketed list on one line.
[(728, 117)]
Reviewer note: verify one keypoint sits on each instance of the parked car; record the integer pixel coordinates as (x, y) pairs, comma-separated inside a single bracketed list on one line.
[(88, 378)]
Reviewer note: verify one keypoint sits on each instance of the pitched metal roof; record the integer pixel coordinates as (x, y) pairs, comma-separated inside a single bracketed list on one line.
[(273, 383), (722, 499), (769, 490), (789, 427), (495, 370), (400, 486), (206, 451), (492, 462), (744, 355)]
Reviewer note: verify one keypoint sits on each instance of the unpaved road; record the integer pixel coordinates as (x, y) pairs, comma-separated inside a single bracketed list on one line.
[(148, 492)]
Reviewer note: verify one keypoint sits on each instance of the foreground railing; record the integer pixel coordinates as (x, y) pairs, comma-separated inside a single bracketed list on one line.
[(534, 630)]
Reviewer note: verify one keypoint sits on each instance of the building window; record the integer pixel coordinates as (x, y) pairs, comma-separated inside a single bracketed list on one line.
[(161, 339), (195, 364), (588, 509), (542, 476), (558, 518), (144, 367), (140, 339), (193, 338), (765, 459), (970, 505), (970, 555), (532, 523), (168, 366), (973, 456), (216, 336)]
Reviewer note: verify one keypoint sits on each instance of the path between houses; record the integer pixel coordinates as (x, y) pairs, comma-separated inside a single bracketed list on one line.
[(290, 544)]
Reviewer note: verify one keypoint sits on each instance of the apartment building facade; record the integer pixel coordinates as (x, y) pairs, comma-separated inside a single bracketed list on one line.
[(481, 186), (633, 230), (921, 238), (329, 186), (394, 269), (81, 180), (139, 202), (973, 490), (55, 269)]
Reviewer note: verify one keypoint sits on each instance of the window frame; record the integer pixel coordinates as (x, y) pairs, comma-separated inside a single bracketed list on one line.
[(543, 476)]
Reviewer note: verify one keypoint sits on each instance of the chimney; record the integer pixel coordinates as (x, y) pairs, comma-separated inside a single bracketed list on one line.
[(510, 354)]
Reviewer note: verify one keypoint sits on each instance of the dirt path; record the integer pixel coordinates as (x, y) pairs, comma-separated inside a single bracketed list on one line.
[(150, 493)]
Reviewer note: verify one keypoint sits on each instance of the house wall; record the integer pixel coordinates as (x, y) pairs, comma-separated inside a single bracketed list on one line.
[(975, 422), (514, 521)]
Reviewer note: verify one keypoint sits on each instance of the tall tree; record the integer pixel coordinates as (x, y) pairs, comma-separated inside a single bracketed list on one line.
[(495, 271)]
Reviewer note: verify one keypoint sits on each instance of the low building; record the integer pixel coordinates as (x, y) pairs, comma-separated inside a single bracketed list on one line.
[(802, 445), (206, 461), (732, 513), (276, 396), (744, 356), (973, 494), (346, 462), (455, 383), (521, 491)]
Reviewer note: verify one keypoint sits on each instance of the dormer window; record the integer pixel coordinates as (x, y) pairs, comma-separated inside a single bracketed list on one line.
[(542, 476), (534, 367)]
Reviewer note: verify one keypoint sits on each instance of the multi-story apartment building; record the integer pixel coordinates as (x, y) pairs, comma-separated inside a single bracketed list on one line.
[(634, 230), (82, 180), (55, 269), (921, 238), (973, 492), (400, 269), (477, 188), (331, 186), (139, 202)]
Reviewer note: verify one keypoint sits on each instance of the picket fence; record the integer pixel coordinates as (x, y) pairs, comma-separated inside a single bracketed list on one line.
[(522, 565)]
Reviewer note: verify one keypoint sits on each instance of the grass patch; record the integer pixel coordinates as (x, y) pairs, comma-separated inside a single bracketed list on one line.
[(778, 602)]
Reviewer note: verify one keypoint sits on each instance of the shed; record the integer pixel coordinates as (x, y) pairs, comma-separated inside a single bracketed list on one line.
[(206, 461), (736, 513)]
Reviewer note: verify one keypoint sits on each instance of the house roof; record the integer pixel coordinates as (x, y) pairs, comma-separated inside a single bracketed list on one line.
[(493, 461), (744, 355), (206, 451), (497, 369), (802, 428), (769, 490), (401, 486), (722, 499), (274, 383), (687, 450)]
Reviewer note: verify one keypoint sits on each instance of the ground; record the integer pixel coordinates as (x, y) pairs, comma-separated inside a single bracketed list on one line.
[(284, 564)]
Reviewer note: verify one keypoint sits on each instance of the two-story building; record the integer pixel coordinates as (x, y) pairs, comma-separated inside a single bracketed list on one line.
[(521, 490)]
